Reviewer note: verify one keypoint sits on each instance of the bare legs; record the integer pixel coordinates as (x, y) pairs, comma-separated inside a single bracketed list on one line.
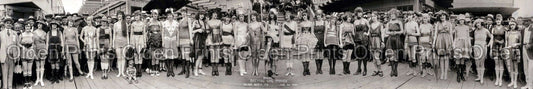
[(39, 69), (121, 61), (90, 63)]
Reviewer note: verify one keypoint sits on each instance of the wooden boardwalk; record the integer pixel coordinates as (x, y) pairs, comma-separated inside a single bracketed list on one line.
[(298, 81)]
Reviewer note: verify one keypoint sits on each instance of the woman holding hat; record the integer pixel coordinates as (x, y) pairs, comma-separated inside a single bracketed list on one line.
[(138, 39), (104, 45), (28, 53), (462, 46), (393, 30), (89, 36), (499, 33), (39, 39), (55, 41), (120, 39), (481, 34), (72, 45), (8, 37), (513, 43)]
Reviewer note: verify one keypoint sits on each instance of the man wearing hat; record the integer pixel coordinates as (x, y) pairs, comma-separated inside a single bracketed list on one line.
[(8, 37), (528, 56)]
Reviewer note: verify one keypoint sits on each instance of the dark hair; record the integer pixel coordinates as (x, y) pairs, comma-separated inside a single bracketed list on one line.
[(272, 17), (257, 18), (123, 24), (447, 17)]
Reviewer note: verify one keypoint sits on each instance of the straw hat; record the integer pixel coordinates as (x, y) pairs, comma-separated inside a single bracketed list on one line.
[(461, 17)]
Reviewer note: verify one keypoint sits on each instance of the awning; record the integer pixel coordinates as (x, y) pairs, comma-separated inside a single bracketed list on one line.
[(485, 10)]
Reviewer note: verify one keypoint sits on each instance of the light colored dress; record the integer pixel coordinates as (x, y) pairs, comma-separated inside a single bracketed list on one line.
[(241, 34), (227, 34), (462, 40), (480, 43), (286, 36), (170, 39), (40, 44), (138, 37), (444, 38)]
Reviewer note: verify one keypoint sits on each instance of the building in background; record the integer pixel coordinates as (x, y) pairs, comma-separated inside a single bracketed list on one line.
[(25, 8), (384, 5), (484, 7), (109, 7)]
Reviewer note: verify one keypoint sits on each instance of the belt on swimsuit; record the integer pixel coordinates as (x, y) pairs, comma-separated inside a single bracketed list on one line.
[(226, 33), (137, 33)]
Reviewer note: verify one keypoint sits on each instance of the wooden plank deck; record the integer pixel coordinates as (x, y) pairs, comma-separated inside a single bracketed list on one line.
[(314, 81)]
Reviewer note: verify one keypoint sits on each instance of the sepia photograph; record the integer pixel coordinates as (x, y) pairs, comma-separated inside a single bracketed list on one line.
[(266, 44)]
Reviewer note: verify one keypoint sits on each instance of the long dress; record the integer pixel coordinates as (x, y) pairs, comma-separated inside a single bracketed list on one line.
[(170, 34), (444, 39), (462, 40)]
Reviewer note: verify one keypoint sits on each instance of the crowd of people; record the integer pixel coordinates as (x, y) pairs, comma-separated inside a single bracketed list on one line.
[(160, 40)]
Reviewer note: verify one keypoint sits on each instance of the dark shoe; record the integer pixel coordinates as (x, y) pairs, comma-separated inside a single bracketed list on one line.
[(376, 73), (357, 72)]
